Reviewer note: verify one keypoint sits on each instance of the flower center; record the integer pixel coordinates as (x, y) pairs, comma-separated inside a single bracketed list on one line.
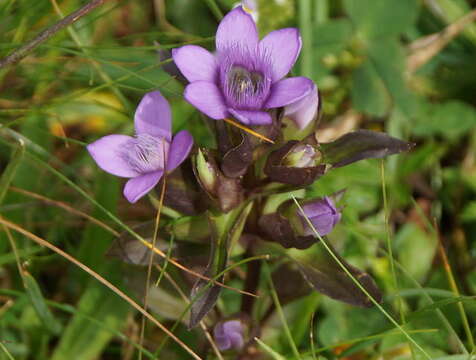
[(146, 153), (244, 76), (242, 82)]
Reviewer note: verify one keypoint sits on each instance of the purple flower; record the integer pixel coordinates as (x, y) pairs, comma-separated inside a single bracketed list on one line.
[(228, 335), (303, 111), (145, 157), (323, 215), (244, 78)]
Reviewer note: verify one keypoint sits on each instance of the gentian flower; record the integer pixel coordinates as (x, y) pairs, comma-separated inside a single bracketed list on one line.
[(228, 335), (244, 78), (323, 215), (303, 111), (145, 157)]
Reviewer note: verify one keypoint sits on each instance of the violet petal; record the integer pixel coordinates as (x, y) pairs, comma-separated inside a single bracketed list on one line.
[(153, 116), (319, 207), (139, 186), (237, 29), (288, 91), (283, 47), (179, 149), (207, 98), (195, 63), (303, 111), (250, 117), (107, 152)]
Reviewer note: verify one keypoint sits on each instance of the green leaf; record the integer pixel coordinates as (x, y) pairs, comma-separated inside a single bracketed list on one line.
[(416, 250), (359, 145), (369, 94), (382, 18), (326, 276), (39, 304), (451, 119), (85, 340), (225, 229), (11, 169), (388, 59)]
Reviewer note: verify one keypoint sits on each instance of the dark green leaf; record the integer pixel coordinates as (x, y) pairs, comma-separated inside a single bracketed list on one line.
[(328, 278), (382, 18), (359, 145), (39, 304)]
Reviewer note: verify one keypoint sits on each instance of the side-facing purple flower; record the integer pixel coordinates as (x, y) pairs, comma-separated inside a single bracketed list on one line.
[(145, 157), (323, 215), (244, 78), (229, 335), (303, 111)]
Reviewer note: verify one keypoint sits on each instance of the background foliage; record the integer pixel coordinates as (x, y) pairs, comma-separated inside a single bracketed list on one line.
[(376, 68)]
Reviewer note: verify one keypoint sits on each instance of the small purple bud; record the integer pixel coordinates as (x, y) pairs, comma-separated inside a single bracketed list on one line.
[(229, 335), (323, 215)]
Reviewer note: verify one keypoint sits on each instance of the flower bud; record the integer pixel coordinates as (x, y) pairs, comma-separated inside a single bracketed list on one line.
[(229, 335), (302, 156), (207, 172), (323, 215)]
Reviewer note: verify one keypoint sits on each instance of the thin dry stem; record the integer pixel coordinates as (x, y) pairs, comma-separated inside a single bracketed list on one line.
[(24, 50), (98, 277)]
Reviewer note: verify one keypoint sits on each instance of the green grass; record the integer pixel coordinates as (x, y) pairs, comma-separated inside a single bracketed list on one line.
[(86, 81)]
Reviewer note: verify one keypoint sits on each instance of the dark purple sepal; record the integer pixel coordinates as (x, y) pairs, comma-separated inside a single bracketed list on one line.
[(327, 277), (277, 228), (236, 161), (226, 192), (359, 145), (299, 176), (183, 192)]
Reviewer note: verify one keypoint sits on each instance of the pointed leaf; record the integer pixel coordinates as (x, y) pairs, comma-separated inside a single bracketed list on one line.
[(327, 277), (359, 145)]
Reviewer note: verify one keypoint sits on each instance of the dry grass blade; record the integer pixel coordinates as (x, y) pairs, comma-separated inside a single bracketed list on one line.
[(423, 49), (454, 288), (98, 277), (64, 206), (248, 130), (115, 233), (23, 51), (185, 298), (151, 259)]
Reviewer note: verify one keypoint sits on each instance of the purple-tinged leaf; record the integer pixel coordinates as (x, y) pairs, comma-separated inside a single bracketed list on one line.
[(359, 145), (183, 191), (289, 283), (328, 278), (277, 228), (278, 171)]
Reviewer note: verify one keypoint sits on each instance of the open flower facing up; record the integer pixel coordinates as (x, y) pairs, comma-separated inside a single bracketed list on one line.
[(323, 215), (245, 77), (145, 157), (229, 335)]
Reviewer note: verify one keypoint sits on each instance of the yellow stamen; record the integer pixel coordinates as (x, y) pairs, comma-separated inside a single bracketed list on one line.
[(248, 10), (248, 130)]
